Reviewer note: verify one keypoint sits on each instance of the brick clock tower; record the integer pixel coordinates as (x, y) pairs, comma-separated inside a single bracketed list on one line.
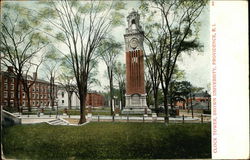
[(135, 89)]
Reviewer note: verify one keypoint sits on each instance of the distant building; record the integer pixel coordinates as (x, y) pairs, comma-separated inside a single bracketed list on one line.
[(199, 101), (39, 92), (93, 99)]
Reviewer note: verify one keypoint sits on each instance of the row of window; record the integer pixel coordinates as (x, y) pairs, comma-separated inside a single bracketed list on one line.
[(42, 96), (25, 103), (34, 89), (11, 80)]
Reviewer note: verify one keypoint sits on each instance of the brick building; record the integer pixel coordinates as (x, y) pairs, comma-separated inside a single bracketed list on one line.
[(198, 99), (39, 92), (93, 99)]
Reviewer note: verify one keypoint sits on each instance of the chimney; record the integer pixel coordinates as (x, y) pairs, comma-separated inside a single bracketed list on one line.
[(34, 75), (10, 68)]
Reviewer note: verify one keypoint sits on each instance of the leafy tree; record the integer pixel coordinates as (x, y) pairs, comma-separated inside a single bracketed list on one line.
[(119, 76), (109, 50), (51, 67), (80, 28), (171, 35), (179, 90), (22, 43), (153, 80), (66, 80)]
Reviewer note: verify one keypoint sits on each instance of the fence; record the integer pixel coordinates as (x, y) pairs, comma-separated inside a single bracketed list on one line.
[(180, 119)]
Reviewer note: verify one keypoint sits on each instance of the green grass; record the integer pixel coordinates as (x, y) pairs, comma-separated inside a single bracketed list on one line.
[(108, 141)]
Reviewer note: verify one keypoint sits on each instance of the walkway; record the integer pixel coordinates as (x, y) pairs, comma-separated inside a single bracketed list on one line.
[(31, 119)]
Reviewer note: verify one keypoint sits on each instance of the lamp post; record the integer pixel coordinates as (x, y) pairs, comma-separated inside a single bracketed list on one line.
[(192, 97)]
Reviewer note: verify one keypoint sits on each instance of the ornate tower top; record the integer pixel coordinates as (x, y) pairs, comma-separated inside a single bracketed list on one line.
[(133, 20)]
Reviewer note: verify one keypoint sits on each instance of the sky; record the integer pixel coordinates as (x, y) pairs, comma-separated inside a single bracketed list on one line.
[(197, 68)]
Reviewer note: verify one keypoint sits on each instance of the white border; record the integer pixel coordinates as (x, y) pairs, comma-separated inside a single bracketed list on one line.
[(230, 96)]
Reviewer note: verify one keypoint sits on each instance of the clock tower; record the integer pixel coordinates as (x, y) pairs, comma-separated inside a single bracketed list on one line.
[(135, 88)]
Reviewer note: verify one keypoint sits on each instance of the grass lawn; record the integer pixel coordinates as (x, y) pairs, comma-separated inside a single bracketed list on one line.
[(107, 140)]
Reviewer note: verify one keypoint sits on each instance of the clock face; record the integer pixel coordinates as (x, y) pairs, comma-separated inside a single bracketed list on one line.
[(133, 43)]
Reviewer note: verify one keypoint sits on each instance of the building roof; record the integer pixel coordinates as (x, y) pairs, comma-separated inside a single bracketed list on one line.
[(12, 75), (201, 94)]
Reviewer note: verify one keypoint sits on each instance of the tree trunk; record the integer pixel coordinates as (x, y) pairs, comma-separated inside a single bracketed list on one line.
[(82, 91), (82, 98), (17, 99), (165, 95), (28, 98), (53, 94), (166, 106), (69, 100), (156, 101), (111, 90)]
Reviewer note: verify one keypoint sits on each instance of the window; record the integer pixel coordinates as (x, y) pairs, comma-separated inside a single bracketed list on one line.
[(6, 80), (5, 103), (33, 103), (37, 96), (23, 95), (12, 86), (6, 86), (44, 96), (12, 80), (62, 101), (62, 94), (33, 95), (12, 95), (5, 94)]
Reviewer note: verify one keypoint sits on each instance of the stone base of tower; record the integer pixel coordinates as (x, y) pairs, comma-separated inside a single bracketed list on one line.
[(136, 104)]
